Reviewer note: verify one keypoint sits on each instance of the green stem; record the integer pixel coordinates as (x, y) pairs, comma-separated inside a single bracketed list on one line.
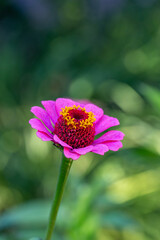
[(63, 175)]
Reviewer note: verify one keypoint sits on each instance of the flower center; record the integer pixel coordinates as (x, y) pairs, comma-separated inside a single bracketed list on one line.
[(78, 114), (75, 126)]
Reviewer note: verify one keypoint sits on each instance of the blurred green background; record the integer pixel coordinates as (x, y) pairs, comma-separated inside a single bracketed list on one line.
[(107, 51)]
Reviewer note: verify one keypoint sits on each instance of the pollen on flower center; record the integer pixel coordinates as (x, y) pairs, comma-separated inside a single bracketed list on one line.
[(75, 126), (77, 116)]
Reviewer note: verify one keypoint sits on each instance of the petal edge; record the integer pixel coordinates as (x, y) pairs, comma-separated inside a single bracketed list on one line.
[(69, 154), (104, 123), (100, 149), (50, 107)]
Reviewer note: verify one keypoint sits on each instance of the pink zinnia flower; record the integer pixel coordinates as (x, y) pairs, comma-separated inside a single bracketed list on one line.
[(74, 126)]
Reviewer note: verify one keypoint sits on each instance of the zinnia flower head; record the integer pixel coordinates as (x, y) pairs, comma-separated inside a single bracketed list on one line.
[(74, 126)]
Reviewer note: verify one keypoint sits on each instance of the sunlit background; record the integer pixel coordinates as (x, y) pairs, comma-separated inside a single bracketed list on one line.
[(106, 51)]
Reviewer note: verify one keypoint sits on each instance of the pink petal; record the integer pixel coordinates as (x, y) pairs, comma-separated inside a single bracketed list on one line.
[(44, 136), (37, 124), (50, 107), (84, 150), (98, 112), (104, 123), (58, 140), (100, 149), (42, 115), (114, 146), (62, 103), (69, 154), (113, 135)]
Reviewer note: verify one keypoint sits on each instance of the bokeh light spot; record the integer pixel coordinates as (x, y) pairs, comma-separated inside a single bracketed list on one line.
[(127, 98), (135, 61), (81, 88)]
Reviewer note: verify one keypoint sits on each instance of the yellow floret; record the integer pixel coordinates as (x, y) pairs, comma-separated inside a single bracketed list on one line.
[(82, 123)]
